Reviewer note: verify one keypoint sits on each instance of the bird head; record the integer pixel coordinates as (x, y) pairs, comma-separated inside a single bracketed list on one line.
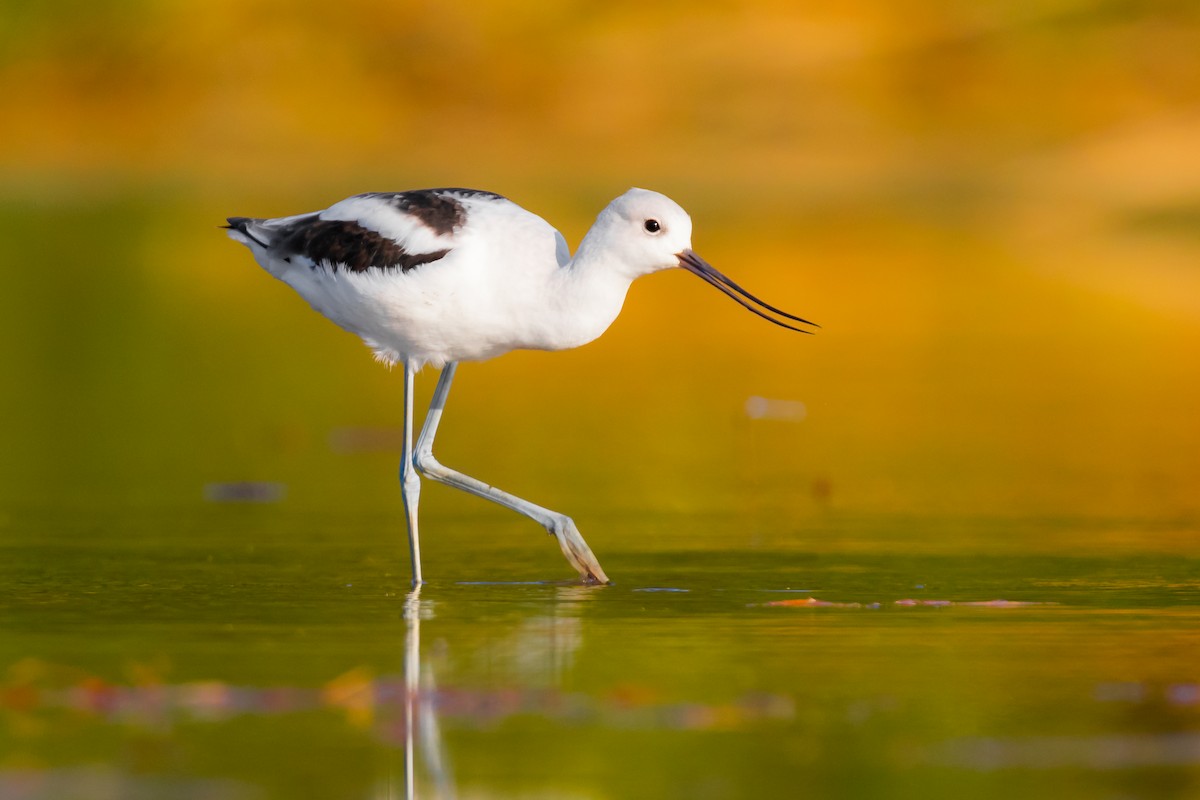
[(648, 232)]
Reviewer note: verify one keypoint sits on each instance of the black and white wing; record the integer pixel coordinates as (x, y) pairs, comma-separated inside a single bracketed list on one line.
[(387, 231)]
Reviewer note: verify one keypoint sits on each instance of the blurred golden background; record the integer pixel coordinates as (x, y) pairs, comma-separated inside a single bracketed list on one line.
[(993, 209)]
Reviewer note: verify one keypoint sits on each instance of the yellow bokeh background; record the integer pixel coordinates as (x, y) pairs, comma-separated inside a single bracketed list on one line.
[(993, 209)]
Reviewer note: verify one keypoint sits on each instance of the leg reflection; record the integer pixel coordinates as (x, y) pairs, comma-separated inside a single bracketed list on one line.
[(421, 730)]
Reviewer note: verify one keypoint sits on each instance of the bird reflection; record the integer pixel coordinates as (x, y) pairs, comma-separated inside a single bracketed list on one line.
[(422, 733), (538, 652), (419, 727)]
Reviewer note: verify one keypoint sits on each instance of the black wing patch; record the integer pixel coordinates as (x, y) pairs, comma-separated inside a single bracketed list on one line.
[(346, 244), (440, 210)]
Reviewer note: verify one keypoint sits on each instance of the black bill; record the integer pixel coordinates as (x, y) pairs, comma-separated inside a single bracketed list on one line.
[(698, 266)]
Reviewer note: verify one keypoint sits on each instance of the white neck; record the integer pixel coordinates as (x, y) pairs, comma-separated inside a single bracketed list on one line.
[(583, 299)]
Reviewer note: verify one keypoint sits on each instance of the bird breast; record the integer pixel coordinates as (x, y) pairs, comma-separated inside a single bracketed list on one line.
[(464, 307)]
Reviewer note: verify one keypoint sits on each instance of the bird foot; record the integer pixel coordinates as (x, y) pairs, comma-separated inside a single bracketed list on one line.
[(577, 551)]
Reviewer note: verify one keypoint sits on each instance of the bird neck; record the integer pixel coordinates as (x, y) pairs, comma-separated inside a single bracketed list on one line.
[(588, 296)]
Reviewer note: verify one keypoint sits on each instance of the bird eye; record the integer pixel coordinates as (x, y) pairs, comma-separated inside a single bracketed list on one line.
[(652, 226)]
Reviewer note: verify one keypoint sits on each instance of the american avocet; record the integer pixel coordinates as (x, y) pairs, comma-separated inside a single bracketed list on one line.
[(438, 276)]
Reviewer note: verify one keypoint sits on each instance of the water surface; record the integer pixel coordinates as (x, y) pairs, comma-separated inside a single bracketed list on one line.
[(278, 655), (853, 565)]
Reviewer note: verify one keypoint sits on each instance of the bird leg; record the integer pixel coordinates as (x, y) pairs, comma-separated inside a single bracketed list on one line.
[(410, 481), (560, 526)]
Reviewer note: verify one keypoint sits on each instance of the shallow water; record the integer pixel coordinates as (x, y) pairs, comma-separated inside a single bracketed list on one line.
[(844, 567), (287, 659), (949, 547)]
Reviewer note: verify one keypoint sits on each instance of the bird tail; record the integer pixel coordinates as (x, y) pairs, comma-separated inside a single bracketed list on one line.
[(247, 230)]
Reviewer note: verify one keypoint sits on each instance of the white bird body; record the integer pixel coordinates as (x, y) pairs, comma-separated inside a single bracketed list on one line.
[(438, 276), (507, 280)]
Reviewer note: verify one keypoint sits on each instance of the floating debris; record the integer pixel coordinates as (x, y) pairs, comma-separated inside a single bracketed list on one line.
[(366, 701), (980, 603), (812, 602), (788, 590), (245, 492), (767, 408), (1174, 694), (1183, 694)]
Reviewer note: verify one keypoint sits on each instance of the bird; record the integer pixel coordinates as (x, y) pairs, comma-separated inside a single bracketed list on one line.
[(434, 277)]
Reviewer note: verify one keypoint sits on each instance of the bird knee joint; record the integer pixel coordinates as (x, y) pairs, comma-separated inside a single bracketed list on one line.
[(424, 462), (560, 524), (409, 478)]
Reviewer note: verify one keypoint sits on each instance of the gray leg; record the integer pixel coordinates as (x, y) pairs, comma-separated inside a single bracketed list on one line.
[(410, 481), (560, 526)]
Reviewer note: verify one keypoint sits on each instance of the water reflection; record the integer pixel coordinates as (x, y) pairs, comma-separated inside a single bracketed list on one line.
[(420, 711), (540, 652), (489, 690)]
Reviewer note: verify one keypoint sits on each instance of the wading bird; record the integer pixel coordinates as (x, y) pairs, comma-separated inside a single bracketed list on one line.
[(438, 276)]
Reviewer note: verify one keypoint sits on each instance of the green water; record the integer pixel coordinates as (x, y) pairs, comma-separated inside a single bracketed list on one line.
[(204, 580), (236, 651)]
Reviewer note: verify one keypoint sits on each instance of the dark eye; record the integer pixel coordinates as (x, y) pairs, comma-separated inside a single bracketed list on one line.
[(652, 226)]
